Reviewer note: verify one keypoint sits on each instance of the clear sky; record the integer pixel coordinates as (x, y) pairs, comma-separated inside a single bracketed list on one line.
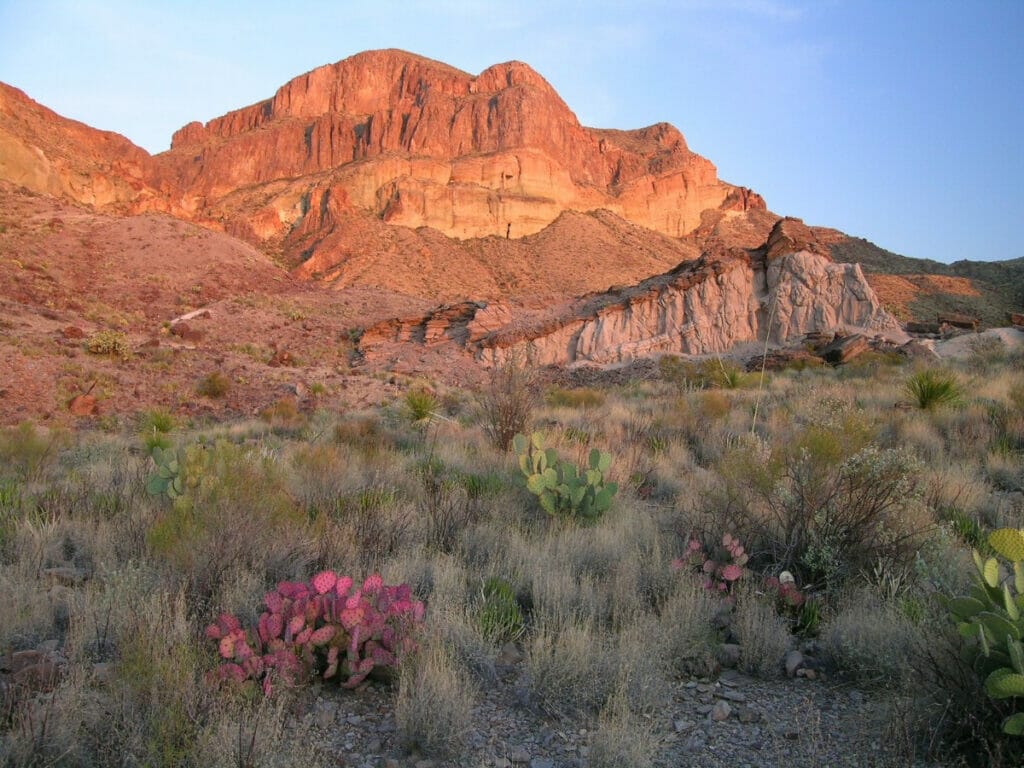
[(899, 121)]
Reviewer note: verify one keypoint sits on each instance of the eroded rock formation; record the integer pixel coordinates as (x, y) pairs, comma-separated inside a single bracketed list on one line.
[(780, 292)]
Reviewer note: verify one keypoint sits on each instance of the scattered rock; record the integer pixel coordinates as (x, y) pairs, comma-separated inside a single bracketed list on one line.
[(721, 711), (844, 349), (83, 405), (281, 358), (509, 655), (794, 660), (73, 332), (737, 696), (519, 754), (748, 715)]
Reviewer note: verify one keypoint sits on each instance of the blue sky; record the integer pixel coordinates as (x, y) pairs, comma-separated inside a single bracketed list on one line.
[(898, 121)]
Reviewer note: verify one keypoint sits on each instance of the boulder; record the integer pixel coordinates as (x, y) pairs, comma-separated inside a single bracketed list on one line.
[(83, 405), (844, 349)]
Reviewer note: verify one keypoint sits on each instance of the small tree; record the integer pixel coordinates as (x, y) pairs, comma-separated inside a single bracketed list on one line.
[(507, 402)]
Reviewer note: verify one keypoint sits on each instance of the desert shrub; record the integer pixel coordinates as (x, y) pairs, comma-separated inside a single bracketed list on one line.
[(321, 475), (1005, 472), (507, 402), (870, 638), (151, 709), (1016, 395), (444, 505), (434, 703), (459, 630), (363, 430), (26, 451), (574, 398), (260, 734), (822, 511), (986, 351), (763, 635), (375, 521), (214, 385), (110, 343), (929, 389), (714, 405), (235, 509), (283, 413)]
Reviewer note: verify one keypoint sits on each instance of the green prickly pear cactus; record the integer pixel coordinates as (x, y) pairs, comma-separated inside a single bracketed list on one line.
[(990, 619), (563, 489), (167, 480)]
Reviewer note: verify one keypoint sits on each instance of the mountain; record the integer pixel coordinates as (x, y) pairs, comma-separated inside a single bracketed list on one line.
[(387, 137), (395, 215)]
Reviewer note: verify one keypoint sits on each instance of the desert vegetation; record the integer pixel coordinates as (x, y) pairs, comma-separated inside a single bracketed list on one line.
[(203, 593)]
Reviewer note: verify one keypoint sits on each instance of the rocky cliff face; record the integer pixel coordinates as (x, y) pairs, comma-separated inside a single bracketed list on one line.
[(779, 293), (48, 154), (418, 143)]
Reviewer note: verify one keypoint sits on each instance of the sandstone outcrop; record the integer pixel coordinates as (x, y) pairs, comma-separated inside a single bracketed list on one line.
[(779, 293)]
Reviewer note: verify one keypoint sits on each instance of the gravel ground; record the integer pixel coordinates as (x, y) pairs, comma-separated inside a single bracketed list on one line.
[(733, 721)]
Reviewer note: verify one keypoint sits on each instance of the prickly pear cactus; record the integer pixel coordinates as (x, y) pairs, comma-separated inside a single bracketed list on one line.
[(167, 480), (562, 489), (990, 619)]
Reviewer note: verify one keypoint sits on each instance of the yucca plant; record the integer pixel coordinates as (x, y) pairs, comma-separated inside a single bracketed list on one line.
[(420, 405), (930, 389)]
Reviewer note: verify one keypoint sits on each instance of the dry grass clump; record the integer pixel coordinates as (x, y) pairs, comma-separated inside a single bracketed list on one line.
[(685, 631), (570, 669), (574, 398), (870, 638), (214, 385), (622, 738), (263, 734), (433, 703), (763, 635)]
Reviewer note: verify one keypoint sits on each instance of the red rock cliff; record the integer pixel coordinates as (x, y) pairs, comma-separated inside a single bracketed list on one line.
[(418, 142)]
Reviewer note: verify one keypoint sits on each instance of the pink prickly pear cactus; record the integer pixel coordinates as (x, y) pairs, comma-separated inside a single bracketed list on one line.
[(722, 566), (327, 627)]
